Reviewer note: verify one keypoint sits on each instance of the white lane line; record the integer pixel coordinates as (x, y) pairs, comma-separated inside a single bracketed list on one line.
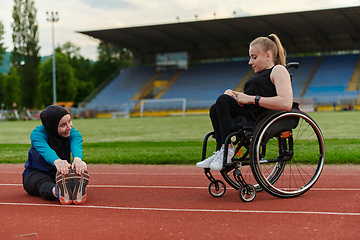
[(176, 173), (182, 209), (177, 187), (139, 173), (119, 186)]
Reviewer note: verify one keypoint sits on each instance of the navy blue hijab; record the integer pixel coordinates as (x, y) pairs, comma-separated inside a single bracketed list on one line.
[(50, 118)]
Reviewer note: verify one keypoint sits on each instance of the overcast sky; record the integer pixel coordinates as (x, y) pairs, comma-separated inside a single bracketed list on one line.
[(79, 15)]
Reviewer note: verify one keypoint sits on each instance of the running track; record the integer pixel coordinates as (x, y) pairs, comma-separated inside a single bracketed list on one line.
[(172, 202)]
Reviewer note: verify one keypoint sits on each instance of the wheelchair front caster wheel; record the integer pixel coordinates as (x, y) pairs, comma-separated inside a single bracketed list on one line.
[(217, 188), (247, 193)]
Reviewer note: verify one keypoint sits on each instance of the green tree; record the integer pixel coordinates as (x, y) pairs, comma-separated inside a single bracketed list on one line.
[(2, 48), (70, 50), (66, 82), (82, 69), (10, 87), (110, 58), (2, 52), (25, 55)]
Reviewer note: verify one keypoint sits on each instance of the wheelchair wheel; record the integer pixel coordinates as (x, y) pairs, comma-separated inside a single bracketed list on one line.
[(217, 188), (294, 141), (247, 194)]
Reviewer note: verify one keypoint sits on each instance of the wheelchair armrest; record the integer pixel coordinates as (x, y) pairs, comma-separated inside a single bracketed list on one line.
[(295, 106), (292, 65)]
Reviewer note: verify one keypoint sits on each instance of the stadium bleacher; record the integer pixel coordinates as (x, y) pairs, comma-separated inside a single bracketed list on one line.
[(301, 74), (116, 96), (165, 75), (202, 83), (332, 78)]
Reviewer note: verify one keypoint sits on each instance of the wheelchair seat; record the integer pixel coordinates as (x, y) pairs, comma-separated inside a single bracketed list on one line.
[(241, 122)]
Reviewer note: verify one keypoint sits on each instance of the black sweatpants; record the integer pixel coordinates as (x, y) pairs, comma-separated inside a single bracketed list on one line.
[(37, 183), (220, 114)]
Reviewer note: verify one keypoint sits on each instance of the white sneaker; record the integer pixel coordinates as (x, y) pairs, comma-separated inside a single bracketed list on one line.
[(206, 163), (217, 164)]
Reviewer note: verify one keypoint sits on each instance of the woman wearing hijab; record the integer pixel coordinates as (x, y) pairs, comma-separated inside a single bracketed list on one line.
[(49, 171)]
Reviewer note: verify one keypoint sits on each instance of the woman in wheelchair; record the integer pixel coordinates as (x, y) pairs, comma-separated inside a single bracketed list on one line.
[(269, 88)]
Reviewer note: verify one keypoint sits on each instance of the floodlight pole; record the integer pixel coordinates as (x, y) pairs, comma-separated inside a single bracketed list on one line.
[(53, 17)]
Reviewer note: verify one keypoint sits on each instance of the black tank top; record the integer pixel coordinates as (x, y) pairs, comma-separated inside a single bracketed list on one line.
[(260, 84)]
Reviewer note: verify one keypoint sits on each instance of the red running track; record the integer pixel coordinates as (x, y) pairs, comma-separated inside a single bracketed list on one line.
[(172, 202)]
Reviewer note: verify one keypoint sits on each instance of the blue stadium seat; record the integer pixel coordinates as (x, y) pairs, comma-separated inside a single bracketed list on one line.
[(301, 74), (202, 83), (331, 79), (119, 92)]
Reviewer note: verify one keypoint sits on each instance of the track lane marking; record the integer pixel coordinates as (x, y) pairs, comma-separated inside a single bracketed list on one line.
[(177, 187), (200, 173), (182, 209)]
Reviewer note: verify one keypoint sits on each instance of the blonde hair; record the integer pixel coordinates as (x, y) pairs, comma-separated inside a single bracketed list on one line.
[(272, 44)]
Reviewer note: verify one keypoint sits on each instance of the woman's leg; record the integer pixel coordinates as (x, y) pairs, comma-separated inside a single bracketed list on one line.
[(220, 114), (227, 107), (215, 123), (37, 183)]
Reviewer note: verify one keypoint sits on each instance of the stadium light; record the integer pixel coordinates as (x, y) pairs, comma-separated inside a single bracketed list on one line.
[(53, 17)]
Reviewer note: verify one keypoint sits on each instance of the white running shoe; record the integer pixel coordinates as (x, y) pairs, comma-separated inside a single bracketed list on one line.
[(217, 164), (206, 163)]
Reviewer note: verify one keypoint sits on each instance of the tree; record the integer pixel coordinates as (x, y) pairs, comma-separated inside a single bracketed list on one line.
[(70, 50), (66, 82), (2, 52), (82, 69), (10, 87), (110, 58), (2, 48), (25, 55)]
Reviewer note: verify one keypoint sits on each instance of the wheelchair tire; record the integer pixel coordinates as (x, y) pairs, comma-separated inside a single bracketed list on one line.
[(247, 194), (217, 188), (293, 141)]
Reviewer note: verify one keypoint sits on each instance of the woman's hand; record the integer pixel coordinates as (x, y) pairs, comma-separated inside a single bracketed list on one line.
[(243, 98), (231, 93), (79, 165), (62, 166)]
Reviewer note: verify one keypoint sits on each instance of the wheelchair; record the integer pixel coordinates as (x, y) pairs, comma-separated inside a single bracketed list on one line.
[(282, 152)]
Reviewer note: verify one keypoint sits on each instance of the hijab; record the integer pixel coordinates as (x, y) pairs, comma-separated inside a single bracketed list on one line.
[(50, 119)]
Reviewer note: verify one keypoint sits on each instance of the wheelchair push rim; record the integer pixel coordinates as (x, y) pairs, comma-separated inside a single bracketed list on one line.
[(301, 151)]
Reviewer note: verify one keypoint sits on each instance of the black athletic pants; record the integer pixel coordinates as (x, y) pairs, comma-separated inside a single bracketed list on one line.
[(220, 114), (37, 183)]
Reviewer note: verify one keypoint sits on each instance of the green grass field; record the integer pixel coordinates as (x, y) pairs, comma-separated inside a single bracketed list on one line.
[(169, 140)]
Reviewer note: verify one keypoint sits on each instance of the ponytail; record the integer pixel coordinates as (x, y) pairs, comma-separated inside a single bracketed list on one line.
[(272, 43)]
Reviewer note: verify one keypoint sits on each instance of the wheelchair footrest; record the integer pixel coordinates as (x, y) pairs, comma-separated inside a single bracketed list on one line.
[(230, 165)]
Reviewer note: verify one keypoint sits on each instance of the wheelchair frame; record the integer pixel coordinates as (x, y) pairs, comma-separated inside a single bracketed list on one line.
[(273, 147)]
